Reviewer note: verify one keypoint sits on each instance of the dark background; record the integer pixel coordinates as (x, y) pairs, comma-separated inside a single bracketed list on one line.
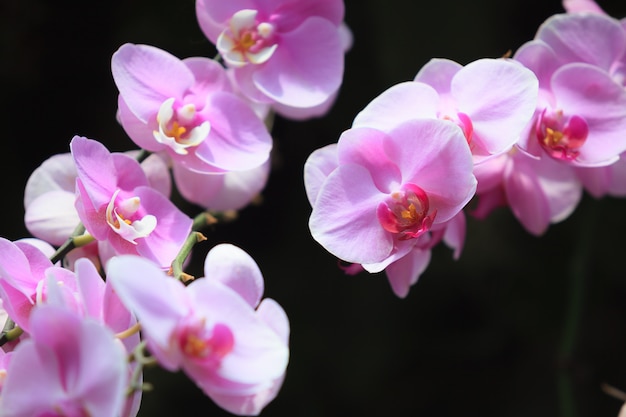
[(484, 336)]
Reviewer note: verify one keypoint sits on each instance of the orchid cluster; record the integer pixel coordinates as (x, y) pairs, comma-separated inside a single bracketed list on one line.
[(530, 131), (101, 291), (75, 344)]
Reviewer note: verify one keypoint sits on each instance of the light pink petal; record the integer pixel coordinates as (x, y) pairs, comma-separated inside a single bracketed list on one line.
[(591, 93), (238, 140), (290, 14), (454, 236), (306, 68), (158, 301), (489, 173), (560, 185), (438, 73), (304, 113), (576, 6), (229, 191), (93, 220), (405, 101), (433, 154), (52, 216), (500, 97), (140, 132), (236, 269), (91, 287), (128, 172), (95, 168), (173, 227), (586, 37), (344, 217), (275, 317), (25, 394), (147, 76), (538, 57), (317, 167), (56, 173), (366, 147), (405, 272), (210, 77), (528, 204), (400, 250), (157, 171)]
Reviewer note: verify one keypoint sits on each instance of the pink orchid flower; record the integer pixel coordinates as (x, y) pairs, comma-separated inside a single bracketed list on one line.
[(116, 204), (581, 112), (237, 355), (388, 189), (68, 367), (188, 110), (405, 271), (288, 52), (539, 192), (490, 100), (50, 194)]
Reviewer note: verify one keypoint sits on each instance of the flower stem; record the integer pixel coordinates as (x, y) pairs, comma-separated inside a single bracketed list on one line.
[(177, 265), (579, 264)]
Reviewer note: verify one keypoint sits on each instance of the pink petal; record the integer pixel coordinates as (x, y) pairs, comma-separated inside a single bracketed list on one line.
[(236, 269), (344, 217), (95, 168), (147, 76), (586, 37), (405, 101), (56, 173), (438, 73), (500, 98), (405, 272), (306, 68), (52, 216), (317, 167)]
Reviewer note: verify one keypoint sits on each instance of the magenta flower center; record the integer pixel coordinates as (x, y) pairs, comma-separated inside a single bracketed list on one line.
[(196, 341), (406, 212), (247, 41), (178, 127), (561, 136), (125, 217)]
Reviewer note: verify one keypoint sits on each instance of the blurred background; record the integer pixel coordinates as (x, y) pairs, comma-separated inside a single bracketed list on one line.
[(493, 334)]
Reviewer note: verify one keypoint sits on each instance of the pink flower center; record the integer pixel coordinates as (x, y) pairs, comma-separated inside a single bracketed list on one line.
[(197, 341), (406, 212), (124, 217), (247, 41), (465, 123), (178, 127), (561, 136)]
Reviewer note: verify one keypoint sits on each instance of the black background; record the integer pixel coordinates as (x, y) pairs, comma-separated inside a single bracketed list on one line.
[(478, 337)]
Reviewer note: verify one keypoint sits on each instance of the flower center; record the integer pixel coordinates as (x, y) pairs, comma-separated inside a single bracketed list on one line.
[(197, 341), (464, 122), (177, 128), (561, 136), (405, 213), (245, 41), (124, 218)]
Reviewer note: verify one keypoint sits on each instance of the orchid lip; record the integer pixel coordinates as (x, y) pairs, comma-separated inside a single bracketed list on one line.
[(561, 136), (245, 41), (406, 213), (123, 220), (177, 127)]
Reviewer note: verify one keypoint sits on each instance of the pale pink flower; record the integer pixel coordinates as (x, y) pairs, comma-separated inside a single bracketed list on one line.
[(210, 328), (388, 189), (580, 117), (289, 52), (68, 367), (50, 194), (188, 110), (117, 205)]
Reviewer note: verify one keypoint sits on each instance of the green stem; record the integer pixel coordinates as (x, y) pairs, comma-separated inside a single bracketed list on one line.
[(579, 265), (77, 239), (177, 264)]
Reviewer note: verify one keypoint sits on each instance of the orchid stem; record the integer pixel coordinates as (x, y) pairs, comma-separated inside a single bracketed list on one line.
[(177, 265), (579, 265)]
